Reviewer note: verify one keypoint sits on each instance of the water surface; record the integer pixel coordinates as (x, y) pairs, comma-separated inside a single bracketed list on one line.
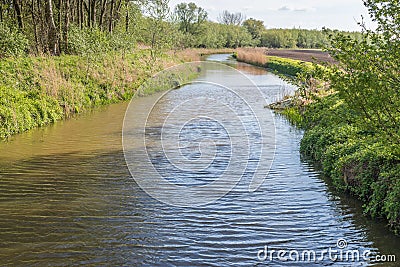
[(67, 198)]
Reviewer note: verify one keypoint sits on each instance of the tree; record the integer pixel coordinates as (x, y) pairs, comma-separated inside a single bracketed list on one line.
[(367, 77), (231, 18), (158, 12), (237, 36), (17, 8), (214, 35), (53, 36), (190, 17), (254, 27)]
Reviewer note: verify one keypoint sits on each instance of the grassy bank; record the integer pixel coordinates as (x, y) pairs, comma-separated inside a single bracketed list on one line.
[(37, 91), (359, 161)]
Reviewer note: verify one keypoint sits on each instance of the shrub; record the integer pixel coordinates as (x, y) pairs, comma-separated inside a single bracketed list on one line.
[(12, 42)]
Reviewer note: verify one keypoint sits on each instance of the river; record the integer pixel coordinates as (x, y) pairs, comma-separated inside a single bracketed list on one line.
[(67, 197)]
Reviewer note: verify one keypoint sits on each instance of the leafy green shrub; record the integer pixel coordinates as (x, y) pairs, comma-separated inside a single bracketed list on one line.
[(21, 111), (358, 161), (12, 42), (88, 41), (288, 66)]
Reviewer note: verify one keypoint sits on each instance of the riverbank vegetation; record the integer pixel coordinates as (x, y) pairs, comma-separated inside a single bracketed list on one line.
[(259, 57), (350, 113), (59, 58), (354, 133), (36, 91), (349, 109)]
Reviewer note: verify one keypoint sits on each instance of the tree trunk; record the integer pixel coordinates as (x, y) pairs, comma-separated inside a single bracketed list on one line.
[(17, 8), (117, 13), (93, 13), (89, 13), (81, 14), (42, 32), (110, 25), (1, 12), (66, 23), (60, 24), (53, 39), (87, 9), (102, 12), (127, 18), (34, 21)]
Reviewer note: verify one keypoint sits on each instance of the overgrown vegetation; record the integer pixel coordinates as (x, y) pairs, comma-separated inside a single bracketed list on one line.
[(59, 58), (354, 131), (37, 91), (350, 111)]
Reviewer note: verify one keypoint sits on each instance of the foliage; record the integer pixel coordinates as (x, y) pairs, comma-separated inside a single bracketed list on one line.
[(298, 38), (37, 91), (88, 41), (12, 42), (354, 132), (213, 36), (368, 74), (255, 28), (288, 66), (190, 17), (92, 27), (237, 36), (361, 162)]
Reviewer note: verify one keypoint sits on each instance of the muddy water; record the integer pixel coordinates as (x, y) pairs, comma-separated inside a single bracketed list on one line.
[(67, 198)]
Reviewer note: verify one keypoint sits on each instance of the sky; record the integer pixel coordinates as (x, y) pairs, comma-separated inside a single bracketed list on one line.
[(305, 14)]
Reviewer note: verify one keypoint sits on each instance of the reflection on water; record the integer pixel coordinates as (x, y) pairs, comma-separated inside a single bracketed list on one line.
[(66, 198)]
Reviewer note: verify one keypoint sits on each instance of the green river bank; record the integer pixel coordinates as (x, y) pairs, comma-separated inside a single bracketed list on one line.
[(360, 162), (37, 91)]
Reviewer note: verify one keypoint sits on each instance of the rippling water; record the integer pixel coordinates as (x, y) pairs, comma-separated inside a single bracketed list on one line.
[(67, 198)]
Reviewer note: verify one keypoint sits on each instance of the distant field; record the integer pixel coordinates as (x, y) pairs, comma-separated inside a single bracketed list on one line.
[(316, 56)]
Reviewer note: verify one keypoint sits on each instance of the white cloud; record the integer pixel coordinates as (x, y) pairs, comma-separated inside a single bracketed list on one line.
[(284, 8)]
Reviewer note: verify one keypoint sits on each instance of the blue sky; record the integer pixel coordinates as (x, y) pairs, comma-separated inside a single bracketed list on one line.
[(306, 14)]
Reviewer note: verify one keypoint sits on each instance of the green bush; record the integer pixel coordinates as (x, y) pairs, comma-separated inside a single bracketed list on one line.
[(358, 161), (288, 66), (13, 43)]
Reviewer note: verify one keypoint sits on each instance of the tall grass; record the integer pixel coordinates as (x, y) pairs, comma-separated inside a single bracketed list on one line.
[(254, 56)]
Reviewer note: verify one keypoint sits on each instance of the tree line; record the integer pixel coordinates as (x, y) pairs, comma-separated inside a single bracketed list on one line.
[(90, 26)]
